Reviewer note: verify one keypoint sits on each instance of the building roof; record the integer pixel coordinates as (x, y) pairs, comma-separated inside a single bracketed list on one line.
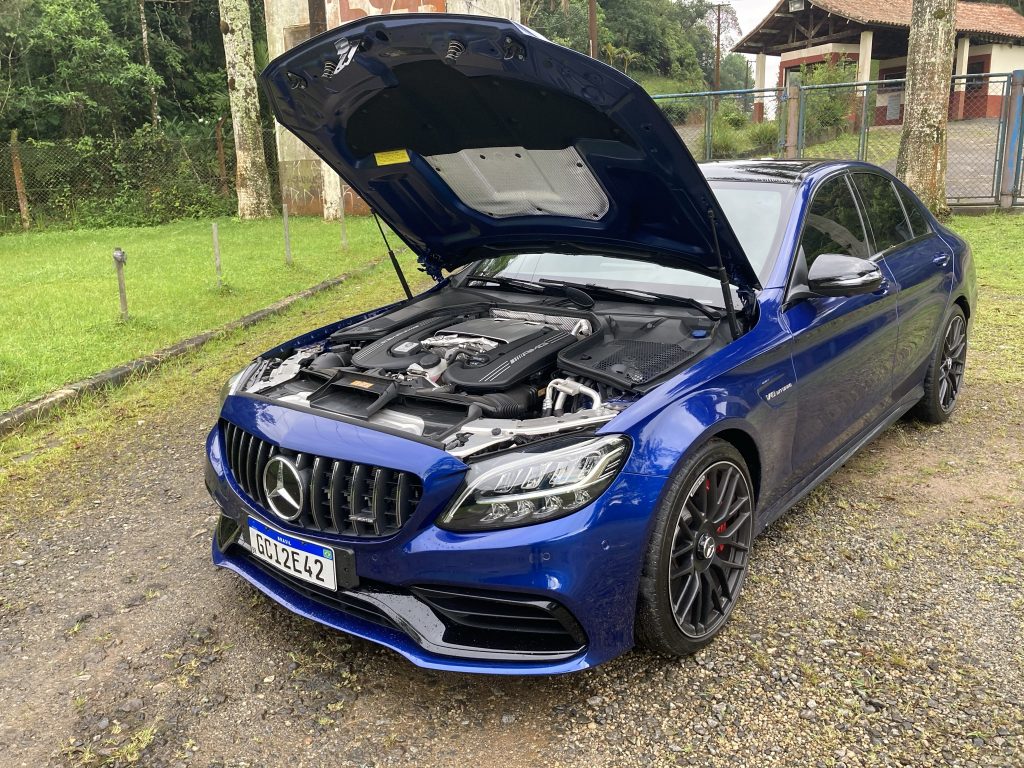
[(988, 20)]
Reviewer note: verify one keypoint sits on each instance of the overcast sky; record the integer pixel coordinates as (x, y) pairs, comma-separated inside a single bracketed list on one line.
[(749, 13)]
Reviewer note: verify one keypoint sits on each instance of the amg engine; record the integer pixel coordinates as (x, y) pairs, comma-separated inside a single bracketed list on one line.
[(480, 378)]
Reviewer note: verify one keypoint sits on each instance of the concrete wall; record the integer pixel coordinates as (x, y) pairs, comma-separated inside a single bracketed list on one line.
[(308, 186)]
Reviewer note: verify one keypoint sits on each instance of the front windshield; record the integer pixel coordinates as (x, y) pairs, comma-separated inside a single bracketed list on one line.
[(757, 212)]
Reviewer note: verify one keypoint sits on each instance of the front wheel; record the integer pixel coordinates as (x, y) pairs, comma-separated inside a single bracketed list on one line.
[(945, 376), (697, 559)]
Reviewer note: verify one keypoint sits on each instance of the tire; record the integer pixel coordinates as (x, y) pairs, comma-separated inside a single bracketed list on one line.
[(944, 379), (697, 557)]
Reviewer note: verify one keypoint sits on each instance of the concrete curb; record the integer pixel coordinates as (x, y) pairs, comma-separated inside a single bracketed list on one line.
[(112, 377)]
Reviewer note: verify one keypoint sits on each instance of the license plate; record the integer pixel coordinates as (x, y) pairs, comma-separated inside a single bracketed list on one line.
[(305, 560)]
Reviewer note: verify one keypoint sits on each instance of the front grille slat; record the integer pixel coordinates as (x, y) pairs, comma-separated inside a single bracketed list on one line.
[(316, 495), (342, 497)]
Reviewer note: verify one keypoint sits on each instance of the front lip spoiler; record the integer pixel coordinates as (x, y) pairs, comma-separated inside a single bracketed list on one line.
[(402, 613)]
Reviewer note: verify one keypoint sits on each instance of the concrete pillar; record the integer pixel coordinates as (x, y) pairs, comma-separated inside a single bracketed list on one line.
[(864, 56), (504, 9), (760, 64), (963, 52)]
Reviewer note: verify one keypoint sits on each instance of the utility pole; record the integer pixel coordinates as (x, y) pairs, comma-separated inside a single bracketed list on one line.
[(718, 48), (592, 10)]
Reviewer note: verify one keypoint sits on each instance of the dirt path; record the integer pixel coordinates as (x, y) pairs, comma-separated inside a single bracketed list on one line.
[(882, 625)]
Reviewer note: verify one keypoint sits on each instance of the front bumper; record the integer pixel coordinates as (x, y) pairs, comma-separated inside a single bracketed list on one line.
[(583, 570)]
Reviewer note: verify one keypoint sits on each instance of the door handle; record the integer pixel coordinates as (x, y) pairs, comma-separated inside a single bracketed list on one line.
[(942, 259)]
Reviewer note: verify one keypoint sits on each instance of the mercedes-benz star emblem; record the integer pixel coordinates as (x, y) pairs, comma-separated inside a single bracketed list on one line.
[(706, 545), (283, 486)]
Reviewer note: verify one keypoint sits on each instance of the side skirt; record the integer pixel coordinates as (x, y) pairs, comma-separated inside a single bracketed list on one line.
[(798, 492)]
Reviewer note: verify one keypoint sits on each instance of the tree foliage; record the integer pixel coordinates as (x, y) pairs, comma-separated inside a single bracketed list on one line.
[(673, 38), (71, 68)]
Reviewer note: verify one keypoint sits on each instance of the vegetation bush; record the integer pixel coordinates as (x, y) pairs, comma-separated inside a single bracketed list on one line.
[(764, 135), (827, 111)]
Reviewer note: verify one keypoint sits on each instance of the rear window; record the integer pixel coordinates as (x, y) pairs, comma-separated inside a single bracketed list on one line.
[(885, 214)]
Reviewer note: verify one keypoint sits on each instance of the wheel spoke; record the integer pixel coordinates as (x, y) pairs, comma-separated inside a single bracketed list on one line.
[(684, 600)]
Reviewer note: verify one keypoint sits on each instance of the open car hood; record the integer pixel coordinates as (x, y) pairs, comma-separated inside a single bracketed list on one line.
[(472, 137)]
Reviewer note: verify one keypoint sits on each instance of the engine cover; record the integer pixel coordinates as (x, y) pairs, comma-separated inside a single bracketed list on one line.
[(523, 349)]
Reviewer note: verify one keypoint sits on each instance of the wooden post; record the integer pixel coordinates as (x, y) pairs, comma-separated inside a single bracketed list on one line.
[(120, 259), (792, 121), (216, 255), (287, 236), (344, 227), (222, 166), (19, 181)]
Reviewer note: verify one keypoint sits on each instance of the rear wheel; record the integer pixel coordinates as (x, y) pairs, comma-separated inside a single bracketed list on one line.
[(945, 376), (697, 560)]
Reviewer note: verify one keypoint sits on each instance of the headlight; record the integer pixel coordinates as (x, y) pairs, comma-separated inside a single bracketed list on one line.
[(231, 385), (532, 487)]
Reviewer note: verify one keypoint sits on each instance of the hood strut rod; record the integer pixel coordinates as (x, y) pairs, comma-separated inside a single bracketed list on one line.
[(394, 259), (723, 278)]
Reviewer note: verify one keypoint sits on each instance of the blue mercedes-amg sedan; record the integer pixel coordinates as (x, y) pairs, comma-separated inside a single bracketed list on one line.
[(629, 366)]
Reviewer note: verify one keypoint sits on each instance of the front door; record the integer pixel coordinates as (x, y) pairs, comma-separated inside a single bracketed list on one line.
[(920, 263), (842, 347)]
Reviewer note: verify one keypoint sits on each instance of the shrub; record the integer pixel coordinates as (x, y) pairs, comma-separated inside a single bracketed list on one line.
[(764, 136)]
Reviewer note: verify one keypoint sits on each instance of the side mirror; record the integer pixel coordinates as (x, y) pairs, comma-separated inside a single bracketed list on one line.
[(835, 274)]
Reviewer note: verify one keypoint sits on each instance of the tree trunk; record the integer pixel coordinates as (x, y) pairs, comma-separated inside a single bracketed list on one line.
[(253, 180), (154, 108), (922, 157)]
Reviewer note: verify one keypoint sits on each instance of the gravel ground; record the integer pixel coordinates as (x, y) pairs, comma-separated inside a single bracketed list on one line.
[(881, 625)]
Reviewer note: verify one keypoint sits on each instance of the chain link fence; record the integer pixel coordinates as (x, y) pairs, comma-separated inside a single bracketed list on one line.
[(151, 177), (159, 175), (725, 125), (861, 121)]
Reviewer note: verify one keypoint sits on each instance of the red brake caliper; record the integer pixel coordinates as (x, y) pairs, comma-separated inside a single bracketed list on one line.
[(721, 528)]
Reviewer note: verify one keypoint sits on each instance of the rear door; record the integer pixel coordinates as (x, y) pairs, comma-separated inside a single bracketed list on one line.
[(842, 347), (920, 263)]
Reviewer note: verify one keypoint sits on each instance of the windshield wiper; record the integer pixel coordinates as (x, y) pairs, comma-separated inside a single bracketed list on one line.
[(508, 282), (571, 292), (648, 297)]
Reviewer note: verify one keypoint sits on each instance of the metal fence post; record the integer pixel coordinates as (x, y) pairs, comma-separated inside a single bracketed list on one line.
[(1011, 167), (709, 131), (793, 122), (862, 144)]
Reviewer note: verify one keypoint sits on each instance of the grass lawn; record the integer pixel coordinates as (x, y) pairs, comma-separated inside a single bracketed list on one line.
[(61, 319), (883, 145), (997, 346)]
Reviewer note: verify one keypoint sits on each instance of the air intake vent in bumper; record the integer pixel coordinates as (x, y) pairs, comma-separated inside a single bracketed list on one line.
[(341, 497)]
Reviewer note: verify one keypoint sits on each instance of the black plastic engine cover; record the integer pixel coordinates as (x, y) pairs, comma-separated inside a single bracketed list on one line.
[(379, 354), (509, 364)]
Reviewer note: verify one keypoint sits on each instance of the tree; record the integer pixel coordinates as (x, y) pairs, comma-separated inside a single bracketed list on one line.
[(253, 180), (628, 57), (921, 161)]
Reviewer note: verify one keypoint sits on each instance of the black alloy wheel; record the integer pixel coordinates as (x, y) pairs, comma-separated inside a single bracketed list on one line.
[(698, 559), (954, 361), (945, 377)]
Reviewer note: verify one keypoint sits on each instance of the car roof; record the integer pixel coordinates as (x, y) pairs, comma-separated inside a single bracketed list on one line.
[(768, 170)]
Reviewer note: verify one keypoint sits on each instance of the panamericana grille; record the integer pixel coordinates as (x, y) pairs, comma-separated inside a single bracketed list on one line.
[(341, 497)]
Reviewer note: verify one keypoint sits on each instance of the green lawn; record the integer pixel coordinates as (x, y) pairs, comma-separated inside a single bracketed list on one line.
[(883, 145), (61, 320)]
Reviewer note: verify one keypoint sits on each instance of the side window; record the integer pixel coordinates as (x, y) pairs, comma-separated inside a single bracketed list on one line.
[(918, 223), (833, 224), (883, 209)]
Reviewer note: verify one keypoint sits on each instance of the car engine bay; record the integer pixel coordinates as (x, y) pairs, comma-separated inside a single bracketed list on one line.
[(473, 375)]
